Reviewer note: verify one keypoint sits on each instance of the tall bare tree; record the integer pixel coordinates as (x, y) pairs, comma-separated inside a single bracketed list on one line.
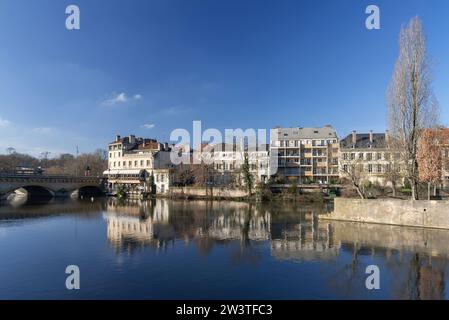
[(411, 103)]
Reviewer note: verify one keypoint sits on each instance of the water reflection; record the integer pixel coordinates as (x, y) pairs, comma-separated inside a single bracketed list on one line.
[(292, 249), (417, 258)]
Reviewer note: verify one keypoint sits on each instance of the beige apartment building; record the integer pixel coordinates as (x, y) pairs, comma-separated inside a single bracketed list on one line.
[(305, 155), (132, 161), (368, 155)]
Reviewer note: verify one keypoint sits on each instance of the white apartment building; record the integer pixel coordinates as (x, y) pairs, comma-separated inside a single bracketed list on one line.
[(227, 160), (131, 161), (305, 155)]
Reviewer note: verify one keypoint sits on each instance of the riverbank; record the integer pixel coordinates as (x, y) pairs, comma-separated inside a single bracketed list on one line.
[(222, 193), (418, 213)]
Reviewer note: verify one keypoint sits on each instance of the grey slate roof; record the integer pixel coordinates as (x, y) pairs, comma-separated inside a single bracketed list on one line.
[(363, 142), (326, 132)]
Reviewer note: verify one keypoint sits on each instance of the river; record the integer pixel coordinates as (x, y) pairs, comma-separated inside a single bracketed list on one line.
[(173, 249)]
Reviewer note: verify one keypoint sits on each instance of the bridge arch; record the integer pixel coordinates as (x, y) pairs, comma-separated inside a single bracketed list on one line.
[(33, 191), (89, 190)]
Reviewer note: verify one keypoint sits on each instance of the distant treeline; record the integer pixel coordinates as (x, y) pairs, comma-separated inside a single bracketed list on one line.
[(63, 164)]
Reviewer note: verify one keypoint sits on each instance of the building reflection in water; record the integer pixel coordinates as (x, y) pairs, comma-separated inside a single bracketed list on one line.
[(417, 258), (134, 223), (307, 240)]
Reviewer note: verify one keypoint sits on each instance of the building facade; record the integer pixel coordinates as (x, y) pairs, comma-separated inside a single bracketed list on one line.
[(139, 164), (227, 160), (369, 156), (440, 139), (305, 155)]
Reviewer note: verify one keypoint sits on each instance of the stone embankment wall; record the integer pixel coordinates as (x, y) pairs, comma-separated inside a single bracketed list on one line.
[(420, 213), (200, 192)]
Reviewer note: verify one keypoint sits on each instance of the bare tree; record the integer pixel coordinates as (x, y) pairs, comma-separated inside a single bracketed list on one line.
[(429, 159), (393, 172), (411, 103), (10, 150), (353, 169)]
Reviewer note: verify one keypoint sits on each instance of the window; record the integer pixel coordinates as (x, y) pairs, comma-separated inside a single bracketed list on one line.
[(379, 156), (361, 155), (352, 156), (369, 156), (370, 168), (387, 156), (379, 168), (345, 156)]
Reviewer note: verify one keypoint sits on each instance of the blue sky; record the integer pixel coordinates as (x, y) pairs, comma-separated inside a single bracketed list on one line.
[(229, 63)]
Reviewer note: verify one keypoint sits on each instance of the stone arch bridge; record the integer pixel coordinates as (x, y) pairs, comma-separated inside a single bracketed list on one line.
[(50, 185)]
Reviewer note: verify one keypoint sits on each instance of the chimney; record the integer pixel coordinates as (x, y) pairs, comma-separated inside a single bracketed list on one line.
[(132, 138), (354, 137), (117, 138), (371, 139)]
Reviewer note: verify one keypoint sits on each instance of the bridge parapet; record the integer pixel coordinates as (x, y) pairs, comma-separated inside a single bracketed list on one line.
[(57, 185), (50, 178)]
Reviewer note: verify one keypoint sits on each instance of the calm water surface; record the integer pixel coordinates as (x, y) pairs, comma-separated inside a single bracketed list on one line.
[(164, 249)]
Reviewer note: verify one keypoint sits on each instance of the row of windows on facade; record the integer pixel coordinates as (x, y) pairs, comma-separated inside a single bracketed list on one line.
[(233, 155), (368, 156), (315, 153), (306, 162), (315, 171), (370, 168), (231, 166), (113, 154), (298, 143), (137, 164)]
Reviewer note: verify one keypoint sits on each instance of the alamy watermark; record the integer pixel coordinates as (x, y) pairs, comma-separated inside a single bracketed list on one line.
[(200, 146), (372, 282), (72, 282), (73, 21), (372, 22)]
